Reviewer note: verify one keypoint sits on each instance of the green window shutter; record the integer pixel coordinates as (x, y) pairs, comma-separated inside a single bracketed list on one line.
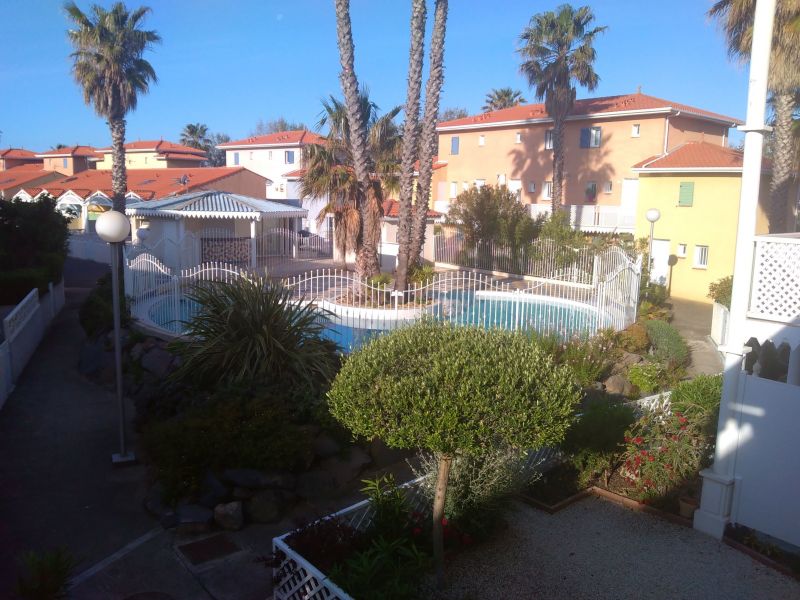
[(686, 195)]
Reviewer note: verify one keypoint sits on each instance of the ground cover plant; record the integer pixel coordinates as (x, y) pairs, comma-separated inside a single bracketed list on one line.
[(453, 391)]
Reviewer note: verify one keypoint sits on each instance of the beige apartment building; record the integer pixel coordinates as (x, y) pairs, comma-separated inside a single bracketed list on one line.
[(154, 154), (68, 160), (604, 139)]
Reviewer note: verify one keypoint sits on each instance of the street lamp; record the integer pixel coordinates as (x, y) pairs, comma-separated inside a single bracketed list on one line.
[(113, 227), (652, 215)]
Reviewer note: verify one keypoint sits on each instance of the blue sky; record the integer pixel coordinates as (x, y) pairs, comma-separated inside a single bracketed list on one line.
[(230, 63)]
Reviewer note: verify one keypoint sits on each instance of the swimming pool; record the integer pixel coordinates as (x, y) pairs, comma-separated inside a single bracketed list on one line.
[(351, 327)]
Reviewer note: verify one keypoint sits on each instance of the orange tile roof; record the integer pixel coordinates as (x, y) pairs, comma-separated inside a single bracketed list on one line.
[(391, 209), (694, 155), (145, 183), (69, 151), (437, 164), (17, 153), (298, 137), (160, 146), (585, 107), (295, 174), (19, 176)]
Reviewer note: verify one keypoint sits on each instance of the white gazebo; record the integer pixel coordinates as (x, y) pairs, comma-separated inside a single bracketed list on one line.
[(214, 226)]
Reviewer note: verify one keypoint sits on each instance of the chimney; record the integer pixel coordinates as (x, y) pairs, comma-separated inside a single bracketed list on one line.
[(638, 89)]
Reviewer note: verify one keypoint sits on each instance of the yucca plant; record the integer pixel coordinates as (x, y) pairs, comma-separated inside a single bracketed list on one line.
[(251, 332), (48, 575)]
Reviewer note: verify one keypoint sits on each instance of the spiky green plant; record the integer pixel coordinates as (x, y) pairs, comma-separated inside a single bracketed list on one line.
[(252, 332), (47, 576)]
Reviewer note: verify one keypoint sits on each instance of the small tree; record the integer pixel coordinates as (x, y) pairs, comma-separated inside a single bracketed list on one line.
[(454, 391), (493, 214)]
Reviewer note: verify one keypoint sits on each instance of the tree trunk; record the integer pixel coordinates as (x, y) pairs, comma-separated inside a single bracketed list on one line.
[(410, 148), (367, 259), (782, 162), (442, 475), (119, 174), (428, 135)]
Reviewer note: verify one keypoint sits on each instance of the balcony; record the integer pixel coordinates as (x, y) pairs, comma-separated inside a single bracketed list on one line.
[(594, 219)]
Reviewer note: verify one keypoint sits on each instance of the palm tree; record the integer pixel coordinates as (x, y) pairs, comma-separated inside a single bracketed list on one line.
[(368, 198), (557, 51), (503, 98), (108, 65), (433, 89), (736, 18), (195, 135), (410, 140), (330, 171)]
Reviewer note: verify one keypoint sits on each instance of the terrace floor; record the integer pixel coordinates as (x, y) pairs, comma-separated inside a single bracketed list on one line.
[(595, 549)]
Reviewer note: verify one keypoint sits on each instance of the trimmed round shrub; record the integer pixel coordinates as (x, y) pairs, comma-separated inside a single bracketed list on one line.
[(669, 347)]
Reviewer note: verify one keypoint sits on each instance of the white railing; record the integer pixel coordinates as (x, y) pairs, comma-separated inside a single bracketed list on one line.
[(23, 329), (775, 291), (593, 218), (720, 320)]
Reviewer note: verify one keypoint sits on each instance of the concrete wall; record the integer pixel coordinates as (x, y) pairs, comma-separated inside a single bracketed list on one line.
[(75, 164), (147, 160)]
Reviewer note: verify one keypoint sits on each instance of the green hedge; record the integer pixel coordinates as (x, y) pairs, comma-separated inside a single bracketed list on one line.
[(669, 347), (16, 284)]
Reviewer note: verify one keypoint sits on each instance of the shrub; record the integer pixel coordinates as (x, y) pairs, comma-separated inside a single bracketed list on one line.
[(251, 332), (721, 290), (649, 376), (48, 575), (699, 398), (669, 346), (453, 391), (421, 274), (595, 442), (233, 433), (96, 314), (634, 339), (493, 214), (391, 514), (381, 280), (590, 359)]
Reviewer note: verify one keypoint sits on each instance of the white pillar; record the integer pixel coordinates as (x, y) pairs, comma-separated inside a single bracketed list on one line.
[(718, 481), (253, 257)]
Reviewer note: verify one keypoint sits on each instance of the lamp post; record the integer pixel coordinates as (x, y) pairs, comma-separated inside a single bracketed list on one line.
[(652, 215), (113, 227)]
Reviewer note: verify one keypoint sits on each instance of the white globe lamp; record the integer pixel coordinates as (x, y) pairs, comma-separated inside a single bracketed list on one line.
[(653, 215), (112, 227)]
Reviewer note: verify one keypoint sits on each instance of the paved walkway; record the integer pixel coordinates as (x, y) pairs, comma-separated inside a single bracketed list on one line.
[(693, 320), (57, 433)]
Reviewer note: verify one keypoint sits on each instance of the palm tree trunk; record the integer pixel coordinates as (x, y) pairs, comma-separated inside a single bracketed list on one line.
[(367, 259), (410, 140), (119, 174), (782, 159), (428, 135), (558, 163)]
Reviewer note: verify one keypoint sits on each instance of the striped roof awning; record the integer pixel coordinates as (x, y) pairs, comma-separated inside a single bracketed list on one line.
[(214, 205)]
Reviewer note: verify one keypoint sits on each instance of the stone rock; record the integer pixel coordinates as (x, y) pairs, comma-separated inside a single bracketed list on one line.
[(229, 516), (259, 480), (265, 507), (618, 385), (241, 493), (315, 484), (154, 501), (157, 361), (136, 351), (626, 360), (348, 468), (324, 446), (213, 492), (193, 518), (383, 456)]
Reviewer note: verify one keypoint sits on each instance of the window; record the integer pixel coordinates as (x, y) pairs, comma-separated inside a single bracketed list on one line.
[(479, 183), (531, 187), (515, 186), (591, 191), (251, 156), (453, 189), (269, 155), (289, 157), (590, 137), (635, 128), (64, 162), (501, 179), (608, 187), (681, 252), (454, 145), (701, 257), (235, 158), (518, 138), (465, 185), (686, 193), (548, 189), (481, 141), (548, 139)]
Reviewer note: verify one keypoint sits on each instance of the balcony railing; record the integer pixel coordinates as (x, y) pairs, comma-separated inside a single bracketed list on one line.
[(591, 218), (775, 291)]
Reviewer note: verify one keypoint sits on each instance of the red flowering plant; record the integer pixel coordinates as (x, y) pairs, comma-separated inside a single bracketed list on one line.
[(663, 448)]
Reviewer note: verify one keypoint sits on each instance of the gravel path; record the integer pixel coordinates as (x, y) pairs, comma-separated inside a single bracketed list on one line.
[(596, 550)]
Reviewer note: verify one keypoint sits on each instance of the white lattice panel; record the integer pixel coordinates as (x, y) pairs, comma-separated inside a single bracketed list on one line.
[(775, 294)]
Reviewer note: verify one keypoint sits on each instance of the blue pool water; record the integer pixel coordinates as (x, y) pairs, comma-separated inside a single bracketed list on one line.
[(354, 328)]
